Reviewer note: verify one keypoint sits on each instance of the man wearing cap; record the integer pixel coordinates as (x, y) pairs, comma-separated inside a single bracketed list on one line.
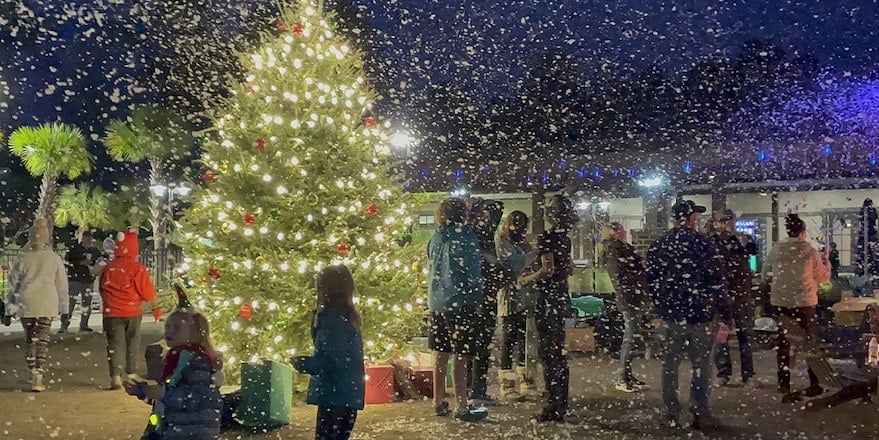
[(736, 250), (686, 282)]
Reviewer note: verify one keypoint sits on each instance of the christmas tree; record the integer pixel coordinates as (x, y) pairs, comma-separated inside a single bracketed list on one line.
[(298, 178)]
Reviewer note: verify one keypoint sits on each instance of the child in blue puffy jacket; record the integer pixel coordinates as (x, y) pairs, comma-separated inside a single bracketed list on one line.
[(337, 383), (187, 402)]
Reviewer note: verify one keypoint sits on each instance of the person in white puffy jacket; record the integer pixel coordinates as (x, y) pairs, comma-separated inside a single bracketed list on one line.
[(796, 269), (38, 293)]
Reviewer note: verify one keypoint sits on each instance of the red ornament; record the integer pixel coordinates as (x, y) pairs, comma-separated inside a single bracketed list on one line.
[(298, 30), (209, 176), (246, 311), (249, 219), (281, 26), (370, 122), (214, 273), (342, 249), (372, 210), (260, 144)]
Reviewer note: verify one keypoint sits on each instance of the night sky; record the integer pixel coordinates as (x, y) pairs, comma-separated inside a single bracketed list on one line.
[(60, 59)]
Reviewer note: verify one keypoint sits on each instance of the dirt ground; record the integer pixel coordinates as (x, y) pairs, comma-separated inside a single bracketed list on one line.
[(76, 406)]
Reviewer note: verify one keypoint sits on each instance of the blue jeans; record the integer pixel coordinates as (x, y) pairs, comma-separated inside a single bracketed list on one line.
[(630, 322), (697, 342)]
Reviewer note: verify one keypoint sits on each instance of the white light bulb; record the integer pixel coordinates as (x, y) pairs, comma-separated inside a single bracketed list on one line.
[(294, 161), (237, 168), (248, 232), (324, 211), (263, 230), (379, 237), (236, 325), (248, 264), (222, 216), (214, 198), (254, 167), (309, 217), (265, 266), (281, 236), (297, 63), (266, 178), (282, 190), (298, 235), (237, 300), (285, 267), (233, 227)]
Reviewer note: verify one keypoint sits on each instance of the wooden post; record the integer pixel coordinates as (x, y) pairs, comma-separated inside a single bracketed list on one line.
[(775, 219)]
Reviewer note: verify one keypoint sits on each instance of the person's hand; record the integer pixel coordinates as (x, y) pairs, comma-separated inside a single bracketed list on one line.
[(134, 388), (298, 362), (152, 392)]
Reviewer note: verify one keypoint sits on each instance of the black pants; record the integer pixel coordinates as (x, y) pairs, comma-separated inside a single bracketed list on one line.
[(513, 345), (486, 322), (123, 344), (807, 319), (550, 315), (743, 314), (334, 423)]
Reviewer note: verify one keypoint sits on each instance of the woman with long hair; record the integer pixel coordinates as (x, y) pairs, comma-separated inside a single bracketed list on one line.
[(337, 385), (513, 251), (554, 302), (37, 294)]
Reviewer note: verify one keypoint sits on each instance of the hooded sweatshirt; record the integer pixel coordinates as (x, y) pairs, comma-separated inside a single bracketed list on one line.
[(455, 269), (796, 269), (125, 283), (38, 280)]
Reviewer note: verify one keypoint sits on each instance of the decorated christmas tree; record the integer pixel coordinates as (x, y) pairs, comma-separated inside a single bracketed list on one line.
[(298, 179)]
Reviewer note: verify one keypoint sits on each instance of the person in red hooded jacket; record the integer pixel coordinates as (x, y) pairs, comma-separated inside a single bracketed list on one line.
[(125, 285)]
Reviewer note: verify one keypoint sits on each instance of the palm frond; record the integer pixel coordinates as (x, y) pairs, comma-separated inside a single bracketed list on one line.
[(151, 132), (54, 148), (83, 206)]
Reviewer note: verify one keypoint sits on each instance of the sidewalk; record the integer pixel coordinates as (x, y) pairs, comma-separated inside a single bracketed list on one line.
[(76, 406)]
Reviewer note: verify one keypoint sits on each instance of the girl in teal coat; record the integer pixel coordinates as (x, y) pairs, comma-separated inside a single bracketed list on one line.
[(337, 384)]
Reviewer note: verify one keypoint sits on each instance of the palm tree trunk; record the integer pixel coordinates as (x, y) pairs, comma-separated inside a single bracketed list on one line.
[(46, 208), (157, 206)]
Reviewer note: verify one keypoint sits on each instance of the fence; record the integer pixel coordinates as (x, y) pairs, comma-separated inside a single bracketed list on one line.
[(160, 264)]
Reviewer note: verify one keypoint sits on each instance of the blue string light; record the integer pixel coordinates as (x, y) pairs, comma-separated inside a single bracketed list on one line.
[(582, 172), (597, 173), (688, 166), (873, 159), (458, 174), (764, 156), (827, 150)]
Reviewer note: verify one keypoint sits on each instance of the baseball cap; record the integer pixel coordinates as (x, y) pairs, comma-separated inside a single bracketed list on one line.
[(686, 208)]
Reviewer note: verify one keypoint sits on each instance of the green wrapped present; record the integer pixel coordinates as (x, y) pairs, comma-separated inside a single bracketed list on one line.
[(266, 394), (588, 306)]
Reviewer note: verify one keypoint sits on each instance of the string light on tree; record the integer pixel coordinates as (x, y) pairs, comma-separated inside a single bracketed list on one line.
[(289, 204)]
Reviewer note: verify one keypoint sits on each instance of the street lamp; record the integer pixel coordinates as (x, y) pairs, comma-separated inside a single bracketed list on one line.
[(161, 190), (651, 182), (402, 141)]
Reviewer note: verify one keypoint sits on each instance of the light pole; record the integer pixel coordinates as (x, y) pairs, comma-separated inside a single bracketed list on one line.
[(402, 141), (170, 190)]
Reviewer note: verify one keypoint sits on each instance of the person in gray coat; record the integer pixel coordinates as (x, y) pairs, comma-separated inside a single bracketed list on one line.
[(38, 293)]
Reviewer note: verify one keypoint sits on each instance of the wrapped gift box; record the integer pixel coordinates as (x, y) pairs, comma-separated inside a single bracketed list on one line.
[(580, 340), (379, 384), (266, 397), (422, 380)]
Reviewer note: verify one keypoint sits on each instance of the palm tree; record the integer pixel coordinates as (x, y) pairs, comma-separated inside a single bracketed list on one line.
[(83, 206), (126, 208), (154, 135), (51, 151)]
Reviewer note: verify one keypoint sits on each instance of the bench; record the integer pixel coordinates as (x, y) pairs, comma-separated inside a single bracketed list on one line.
[(838, 387)]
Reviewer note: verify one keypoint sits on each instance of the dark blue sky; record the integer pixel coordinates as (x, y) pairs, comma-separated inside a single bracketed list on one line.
[(487, 44)]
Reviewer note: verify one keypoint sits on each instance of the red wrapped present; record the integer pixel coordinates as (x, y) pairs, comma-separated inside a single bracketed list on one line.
[(379, 384), (422, 380)]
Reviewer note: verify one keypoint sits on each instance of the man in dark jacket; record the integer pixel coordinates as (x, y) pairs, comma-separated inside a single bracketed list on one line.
[(626, 270), (81, 261), (736, 251), (685, 279)]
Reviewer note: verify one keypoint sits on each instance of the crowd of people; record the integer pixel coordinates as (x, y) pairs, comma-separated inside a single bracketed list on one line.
[(699, 284)]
